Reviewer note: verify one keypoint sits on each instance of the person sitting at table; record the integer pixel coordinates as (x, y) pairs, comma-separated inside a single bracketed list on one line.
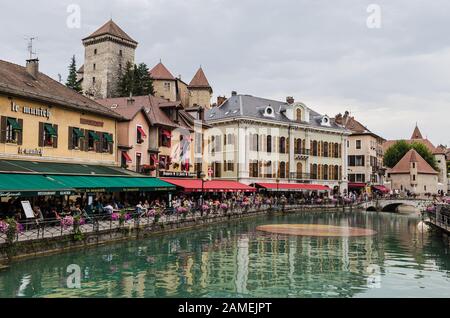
[(38, 215), (108, 209)]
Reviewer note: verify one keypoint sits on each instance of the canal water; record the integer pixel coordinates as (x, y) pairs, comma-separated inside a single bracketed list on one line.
[(236, 260)]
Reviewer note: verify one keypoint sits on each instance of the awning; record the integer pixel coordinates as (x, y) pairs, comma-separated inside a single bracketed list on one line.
[(381, 188), (196, 185), (50, 130), (292, 187), (354, 185), (78, 132), (143, 134), (92, 184), (15, 125), (127, 156), (94, 136), (17, 185)]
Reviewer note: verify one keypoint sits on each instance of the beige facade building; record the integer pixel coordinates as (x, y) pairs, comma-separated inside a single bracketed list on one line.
[(45, 121), (256, 140), (365, 154), (107, 52), (197, 94), (412, 173)]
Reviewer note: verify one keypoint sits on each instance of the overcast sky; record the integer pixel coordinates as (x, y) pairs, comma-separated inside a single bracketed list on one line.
[(321, 52)]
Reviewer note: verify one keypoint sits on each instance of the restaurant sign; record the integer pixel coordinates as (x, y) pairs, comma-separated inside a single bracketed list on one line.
[(33, 194), (30, 152), (39, 112), (176, 174)]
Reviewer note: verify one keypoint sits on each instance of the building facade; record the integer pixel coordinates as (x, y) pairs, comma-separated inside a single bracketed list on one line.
[(438, 153), (412, 173), (107, 52), (365, 154), (257, 140), (45, 121)]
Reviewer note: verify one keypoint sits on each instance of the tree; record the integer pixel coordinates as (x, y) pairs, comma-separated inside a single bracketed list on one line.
[(72, 81), (135, 80), (398, 150)]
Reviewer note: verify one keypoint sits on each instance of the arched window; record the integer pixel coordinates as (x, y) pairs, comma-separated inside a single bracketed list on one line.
[(299, 171), (299, 146), (255, 142), (282, 172), (314, 172), (336, 172), (269, 144), (325, 172), (314, 148), (282, 145), (299, 114), (325, 149)]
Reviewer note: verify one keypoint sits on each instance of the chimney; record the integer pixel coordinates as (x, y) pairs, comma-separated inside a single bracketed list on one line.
[(221, 100), (130, 100), (33, 67), (201, 114), (290, 100), (338, 118), (233, 93)]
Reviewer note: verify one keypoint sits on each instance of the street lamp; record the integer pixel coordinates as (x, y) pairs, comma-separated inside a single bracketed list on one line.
[(202, 176), (278, 184)]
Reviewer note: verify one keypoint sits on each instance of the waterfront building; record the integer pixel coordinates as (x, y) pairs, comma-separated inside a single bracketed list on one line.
[(365, 155), (43, 120), (197, 93), (57, 143), (412, 173), (260, 141), (173, 136), (438, 153), (107, 52)]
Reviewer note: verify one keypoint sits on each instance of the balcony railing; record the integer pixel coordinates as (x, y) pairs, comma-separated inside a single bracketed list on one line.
[(299, 176)]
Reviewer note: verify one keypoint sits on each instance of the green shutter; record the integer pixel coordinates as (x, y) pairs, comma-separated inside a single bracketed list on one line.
[(78, 132), (50, 130), (94, 136), (15, 125), (108, 137)]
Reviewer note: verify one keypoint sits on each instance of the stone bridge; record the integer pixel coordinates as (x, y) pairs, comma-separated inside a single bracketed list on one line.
[(391, 205)]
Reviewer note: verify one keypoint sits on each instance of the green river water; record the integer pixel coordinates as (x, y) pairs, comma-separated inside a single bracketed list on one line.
[(234, 260)]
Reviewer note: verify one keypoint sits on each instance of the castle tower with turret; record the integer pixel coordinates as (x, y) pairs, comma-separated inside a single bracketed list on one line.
[(107, 52), (200, 91)]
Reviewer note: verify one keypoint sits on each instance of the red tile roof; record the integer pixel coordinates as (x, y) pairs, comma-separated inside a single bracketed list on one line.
[(199, 80), (426, 142), (16, 81), (416, 133), (161, 72), (404, 165), (111, 28)]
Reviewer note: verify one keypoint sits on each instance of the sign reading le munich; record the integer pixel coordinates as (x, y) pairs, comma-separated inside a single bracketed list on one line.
[(40, 112)]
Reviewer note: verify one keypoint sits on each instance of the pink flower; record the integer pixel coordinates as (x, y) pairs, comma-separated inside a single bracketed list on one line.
[(151, 213), (67, 221), (4, 227), (223, 206), (205, 207), (115, 216)]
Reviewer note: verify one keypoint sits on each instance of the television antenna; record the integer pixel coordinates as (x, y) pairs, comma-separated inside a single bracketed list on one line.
[(30, 46)]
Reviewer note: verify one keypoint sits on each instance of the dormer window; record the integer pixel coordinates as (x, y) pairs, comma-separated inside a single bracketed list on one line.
[(325, 121), (269, 112)]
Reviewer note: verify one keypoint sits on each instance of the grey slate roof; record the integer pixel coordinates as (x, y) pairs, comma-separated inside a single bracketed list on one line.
[(251, 107)]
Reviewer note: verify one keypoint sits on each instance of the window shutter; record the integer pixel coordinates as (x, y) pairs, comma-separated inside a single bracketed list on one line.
[(86, 140), (287, 149), (3, 129), (70, 144), (20, 132), (55, 138), (41, 135), (111, 146), (99, 144)]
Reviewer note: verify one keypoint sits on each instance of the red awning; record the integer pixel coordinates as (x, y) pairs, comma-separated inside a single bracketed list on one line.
[(127, 156), (356, 185), (143, 134), (293, 187), (381, 188), (195, 185)]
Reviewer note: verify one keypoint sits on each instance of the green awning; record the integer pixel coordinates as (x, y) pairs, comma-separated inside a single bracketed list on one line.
[(108, 137), (16, 185), (113, 184), (50, 130), (15, 125), (94, 136), (78, 132)]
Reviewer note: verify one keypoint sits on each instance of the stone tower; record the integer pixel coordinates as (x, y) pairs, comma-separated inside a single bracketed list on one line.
[(200, 91), (107, 52)]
